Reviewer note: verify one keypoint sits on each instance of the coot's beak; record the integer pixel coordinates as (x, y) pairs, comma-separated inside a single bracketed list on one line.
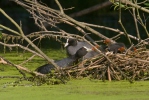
[(87, 49), (66, 44)]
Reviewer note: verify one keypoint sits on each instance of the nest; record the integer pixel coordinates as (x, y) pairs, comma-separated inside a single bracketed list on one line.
[(133, 65)]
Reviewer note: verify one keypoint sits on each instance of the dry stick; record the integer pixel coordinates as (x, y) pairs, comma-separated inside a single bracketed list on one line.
[(138, 8), (142, 2), (112, 29), (28, 59), (129, 49), (34, 46), (143, 41), (91, 9), (98, 61), (25, 48), (121, 72), (136, 24), (70, 19), (35, 34), (128, 2), (141, 23), (75, 70), (54, 10), (87, 36), (120, 22), (29, 41), (40, 16), (59, 5), (6, 28), (82, 31), (20, 68), (111, 63), (81, 37), (115, 73), (108, 71), (64, 33), (116, 36)]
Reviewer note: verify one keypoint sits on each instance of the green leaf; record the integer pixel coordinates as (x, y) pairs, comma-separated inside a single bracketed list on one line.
[(146, 4)]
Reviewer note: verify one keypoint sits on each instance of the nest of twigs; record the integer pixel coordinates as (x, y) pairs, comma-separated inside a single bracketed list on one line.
[(132, 65)]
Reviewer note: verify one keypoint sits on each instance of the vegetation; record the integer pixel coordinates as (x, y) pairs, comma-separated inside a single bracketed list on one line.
[(103, 77), (78, 89), (102, 67)]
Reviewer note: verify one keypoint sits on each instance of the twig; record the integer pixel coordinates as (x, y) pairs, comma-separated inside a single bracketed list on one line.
[(25, 48), (29, 41), (128, 2), (59, 5), (120, 22), (136, 25), (91, 9)]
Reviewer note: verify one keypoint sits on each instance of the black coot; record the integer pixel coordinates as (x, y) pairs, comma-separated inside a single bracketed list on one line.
[(72, 45), (45, 69)]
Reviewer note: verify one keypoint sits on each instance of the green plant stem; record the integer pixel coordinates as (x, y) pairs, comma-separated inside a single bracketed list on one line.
[(136, 24), (120, 22)]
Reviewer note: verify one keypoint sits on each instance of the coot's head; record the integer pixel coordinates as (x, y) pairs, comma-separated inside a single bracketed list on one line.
[(107, 41), (71, 42), (121, 49), (82, 52), (134, 49)]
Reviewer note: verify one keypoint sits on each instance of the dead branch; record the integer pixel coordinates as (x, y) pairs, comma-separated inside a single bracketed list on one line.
[(19, 68), (91, 9), (28, 40)]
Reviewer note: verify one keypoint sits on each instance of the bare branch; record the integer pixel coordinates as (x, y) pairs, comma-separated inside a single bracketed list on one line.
[(91, 9), (128, 2), (136, 24), (59, 5)]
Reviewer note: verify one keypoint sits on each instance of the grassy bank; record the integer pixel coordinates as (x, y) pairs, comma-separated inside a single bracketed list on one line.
[(83, 89)]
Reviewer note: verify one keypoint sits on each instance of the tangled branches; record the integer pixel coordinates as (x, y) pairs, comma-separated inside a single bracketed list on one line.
[(131, 66)]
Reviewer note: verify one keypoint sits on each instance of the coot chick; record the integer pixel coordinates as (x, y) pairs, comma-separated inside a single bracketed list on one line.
[(115, 47)]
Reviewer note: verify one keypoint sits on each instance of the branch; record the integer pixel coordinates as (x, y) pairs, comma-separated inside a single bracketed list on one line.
[(59, 5), (122, 24), (29, 41), (25, 48), (91, 9), (136, 24), (62, 17), (19, 28), (20, 68), (128, 2), (6, 28)]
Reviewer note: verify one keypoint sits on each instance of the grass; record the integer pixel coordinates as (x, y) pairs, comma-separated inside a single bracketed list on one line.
[(79, 89), (75, 89), (36, 61)]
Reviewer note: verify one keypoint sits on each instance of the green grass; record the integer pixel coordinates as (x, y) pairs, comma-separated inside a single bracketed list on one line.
[(36, 61), (75, 89), (83, 89)]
